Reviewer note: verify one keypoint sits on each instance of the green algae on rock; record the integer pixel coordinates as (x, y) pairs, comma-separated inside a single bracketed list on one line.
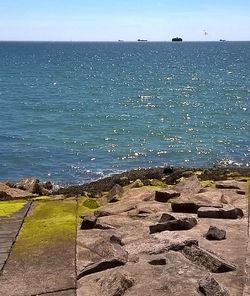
[(43, 197), (86, 206), (8, 208), (158, 183), (90, 203), (207, 183)]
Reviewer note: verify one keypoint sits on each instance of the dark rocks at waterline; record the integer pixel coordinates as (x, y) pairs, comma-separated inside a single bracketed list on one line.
[(190, 207), (173, 225), (165, 196), (48, 185), (169, 174), (215, 233), (106, 184), (101, 266), (208, 286), (223, 213), (206, 259), (168, 170)]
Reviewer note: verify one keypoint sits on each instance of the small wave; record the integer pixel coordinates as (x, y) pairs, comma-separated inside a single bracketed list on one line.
[(229, 162)]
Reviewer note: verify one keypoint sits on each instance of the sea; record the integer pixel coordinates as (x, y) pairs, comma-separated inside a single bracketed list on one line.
[(73, 112)]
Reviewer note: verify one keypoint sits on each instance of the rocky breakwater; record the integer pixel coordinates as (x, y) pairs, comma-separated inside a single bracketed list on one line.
[(186, 238), (24, 188)]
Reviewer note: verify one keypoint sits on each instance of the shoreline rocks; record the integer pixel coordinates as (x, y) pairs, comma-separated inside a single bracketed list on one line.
[(167, 241), (169, 175), (143, 229)]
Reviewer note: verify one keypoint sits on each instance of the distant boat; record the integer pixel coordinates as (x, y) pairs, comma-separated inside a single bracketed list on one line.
[(177, 39), (142, 40), (222, 40), (120, 40)]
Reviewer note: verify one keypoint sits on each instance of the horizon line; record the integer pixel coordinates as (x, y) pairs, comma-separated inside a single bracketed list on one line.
[(124, 41)]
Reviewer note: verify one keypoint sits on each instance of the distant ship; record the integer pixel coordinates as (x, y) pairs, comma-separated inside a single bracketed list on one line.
[(120, 40), (222, 40), (177, 39), (142, 40)]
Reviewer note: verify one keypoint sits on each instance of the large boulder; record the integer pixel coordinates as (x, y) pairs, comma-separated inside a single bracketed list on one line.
[(227, 212), (8, 193), (114, 194), (190, 206), (210, 287), (215, 233), (165, 196), (173, 225), (31, 185), (208, 197), (206, 259), (188, 186), (88, 222), (136, 184)]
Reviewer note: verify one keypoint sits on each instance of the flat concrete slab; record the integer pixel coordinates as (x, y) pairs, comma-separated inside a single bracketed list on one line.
[(42, 259), (9, 228), (246, 291)]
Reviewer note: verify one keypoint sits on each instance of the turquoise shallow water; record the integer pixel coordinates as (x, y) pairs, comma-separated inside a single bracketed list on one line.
[(73, 112)]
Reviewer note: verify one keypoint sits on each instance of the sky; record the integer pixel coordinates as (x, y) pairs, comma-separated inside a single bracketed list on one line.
[(110, 20)]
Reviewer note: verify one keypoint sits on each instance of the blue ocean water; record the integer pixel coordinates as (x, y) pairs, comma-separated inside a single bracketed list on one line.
[(74, 112)]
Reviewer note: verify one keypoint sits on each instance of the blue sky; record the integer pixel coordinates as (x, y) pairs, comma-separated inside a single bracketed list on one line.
[(107, 20)]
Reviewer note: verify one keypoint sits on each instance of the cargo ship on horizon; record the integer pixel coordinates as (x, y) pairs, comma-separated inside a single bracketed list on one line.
[(177, 39)]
